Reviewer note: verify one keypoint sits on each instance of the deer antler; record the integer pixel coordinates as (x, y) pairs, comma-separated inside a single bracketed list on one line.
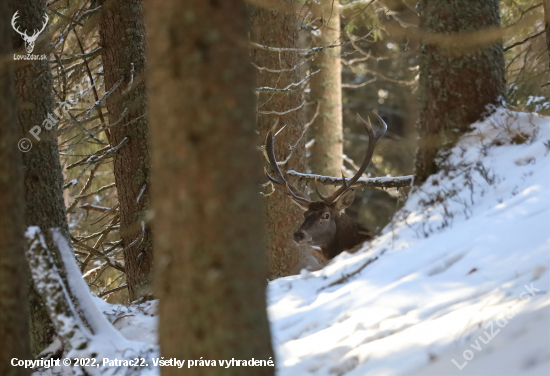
[(297, 195), (24, 34), (36, 33), (374, 136), (15, 16)]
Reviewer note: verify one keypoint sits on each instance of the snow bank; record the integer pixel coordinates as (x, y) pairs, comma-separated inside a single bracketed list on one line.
[(460, 275), (456, 284)]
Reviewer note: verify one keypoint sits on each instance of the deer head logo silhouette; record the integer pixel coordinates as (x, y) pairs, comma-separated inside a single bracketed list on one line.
[(29, 40)]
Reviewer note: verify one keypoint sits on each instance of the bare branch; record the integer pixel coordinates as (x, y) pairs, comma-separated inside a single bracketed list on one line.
[(283, 112), (280, 70), (108, 292), (524, 41), (381, 182), (104, 188), (357, 86)]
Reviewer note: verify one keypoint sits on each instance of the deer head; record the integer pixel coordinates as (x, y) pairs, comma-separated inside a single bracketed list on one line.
[(326, 225), (29, 40)]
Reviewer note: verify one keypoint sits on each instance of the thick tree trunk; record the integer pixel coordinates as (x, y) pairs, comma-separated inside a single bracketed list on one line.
[(326, 90), (274, 29), (123, 40), (44, 204), (14, 326), (208, 226), (456, 86)]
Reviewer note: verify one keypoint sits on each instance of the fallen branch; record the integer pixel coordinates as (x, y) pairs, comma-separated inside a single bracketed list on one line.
[(95, 319), (345, 277), (47, 280), (381, 182), (108, 292), (83, 329)]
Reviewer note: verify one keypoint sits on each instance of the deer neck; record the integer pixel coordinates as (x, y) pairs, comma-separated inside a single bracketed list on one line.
[(349, 233)]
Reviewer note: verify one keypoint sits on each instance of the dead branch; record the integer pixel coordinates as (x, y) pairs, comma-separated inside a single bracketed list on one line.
[(524, 41), (282, 112), (381, 182), (88, 207), (345, 277), (108, 292), (99, 190)]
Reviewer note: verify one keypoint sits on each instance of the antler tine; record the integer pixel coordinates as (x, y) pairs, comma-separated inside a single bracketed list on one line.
[(289, 192), (321, 196), (280, 180), (15, 17), (43, 27), (272, 161), (374, 136)]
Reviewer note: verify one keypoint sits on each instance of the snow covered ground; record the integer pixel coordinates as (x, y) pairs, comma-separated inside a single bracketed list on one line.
[(457, 284)]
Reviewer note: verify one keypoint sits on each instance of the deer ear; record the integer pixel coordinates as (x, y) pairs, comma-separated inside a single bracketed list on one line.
[(345, 200), (303, 205)]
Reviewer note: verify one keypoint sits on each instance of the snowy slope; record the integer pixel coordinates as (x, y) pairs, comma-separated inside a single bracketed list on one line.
[(460, 276), (467, 257)]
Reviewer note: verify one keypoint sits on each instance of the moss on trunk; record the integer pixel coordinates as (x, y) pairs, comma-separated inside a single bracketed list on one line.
[(456, 85)]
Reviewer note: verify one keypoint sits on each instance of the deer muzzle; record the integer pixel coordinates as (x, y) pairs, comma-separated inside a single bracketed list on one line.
[(302, 237)]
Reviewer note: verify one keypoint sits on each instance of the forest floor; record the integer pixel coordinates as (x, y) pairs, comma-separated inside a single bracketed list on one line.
[(456, 284)]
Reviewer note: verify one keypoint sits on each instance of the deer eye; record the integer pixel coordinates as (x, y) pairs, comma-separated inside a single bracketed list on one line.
[(326, 216)]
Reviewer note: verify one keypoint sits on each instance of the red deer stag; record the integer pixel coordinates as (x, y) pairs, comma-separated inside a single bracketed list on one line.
[(325, 223)]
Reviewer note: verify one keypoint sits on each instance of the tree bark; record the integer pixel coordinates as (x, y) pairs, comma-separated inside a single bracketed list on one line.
[(546, 4), (14, 326), (122, 32), (43, 178), (283, 218), (326, 90), (210, 276), (456, 86)]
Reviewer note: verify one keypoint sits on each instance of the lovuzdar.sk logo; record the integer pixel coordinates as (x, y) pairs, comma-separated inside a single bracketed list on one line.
[(29, 39)]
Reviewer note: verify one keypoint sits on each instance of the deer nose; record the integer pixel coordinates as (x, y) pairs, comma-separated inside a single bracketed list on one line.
[(300, 237)]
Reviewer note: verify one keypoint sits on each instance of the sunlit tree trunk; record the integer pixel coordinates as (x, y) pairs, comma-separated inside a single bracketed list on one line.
[(209, 248), (277, 29), (326, 91), (43, 178), (123, 40), (457, 82), (14, 326)]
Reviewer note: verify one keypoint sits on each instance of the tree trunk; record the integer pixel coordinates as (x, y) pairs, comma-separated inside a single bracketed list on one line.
[(326, 90), (210, 275), (456, 85), (274, 29), (43, 178), (14, 326), (122, 34), (546, 4)]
